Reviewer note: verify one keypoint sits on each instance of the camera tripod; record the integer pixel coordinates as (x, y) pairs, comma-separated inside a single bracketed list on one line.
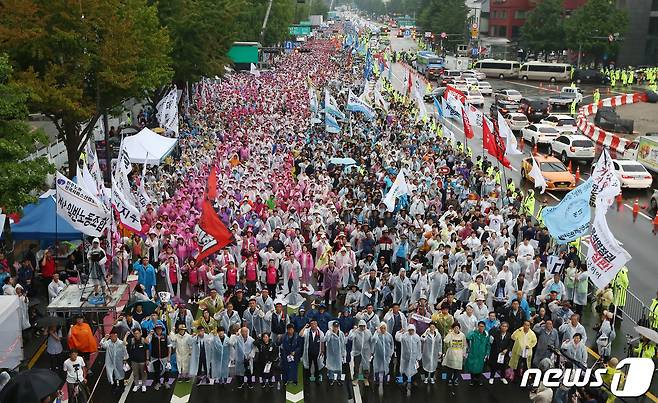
[(97, 271)]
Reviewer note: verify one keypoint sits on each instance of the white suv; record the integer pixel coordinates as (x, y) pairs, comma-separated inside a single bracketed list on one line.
[(572, 147)]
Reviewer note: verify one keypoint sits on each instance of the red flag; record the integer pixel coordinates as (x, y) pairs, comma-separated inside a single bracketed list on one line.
[(211, 232), (488, 142), (409, 84), (493, 143), (468, 130), (211, 191)]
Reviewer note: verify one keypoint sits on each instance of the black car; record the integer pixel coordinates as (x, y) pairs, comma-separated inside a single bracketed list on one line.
[(535, 109), (503, 106), (590, 76), (436, 92)]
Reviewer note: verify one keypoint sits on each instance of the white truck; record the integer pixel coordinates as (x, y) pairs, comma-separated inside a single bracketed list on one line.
[(456, 63), (563, 100), (644, 149)]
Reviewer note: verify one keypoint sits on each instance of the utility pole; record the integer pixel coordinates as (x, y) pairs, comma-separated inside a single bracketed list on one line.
[(267, 16)]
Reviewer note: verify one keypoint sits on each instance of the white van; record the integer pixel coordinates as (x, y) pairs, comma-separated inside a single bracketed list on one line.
[(498, 68), (545, 71)]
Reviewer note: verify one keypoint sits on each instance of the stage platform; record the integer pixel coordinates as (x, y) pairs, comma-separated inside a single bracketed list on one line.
[(69, 300)]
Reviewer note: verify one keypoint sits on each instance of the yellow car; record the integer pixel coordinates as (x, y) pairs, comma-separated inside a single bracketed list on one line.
[(557, 176)]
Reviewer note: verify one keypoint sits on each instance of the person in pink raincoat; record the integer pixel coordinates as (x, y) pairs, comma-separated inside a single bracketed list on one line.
[(331, 283), (306, 262)]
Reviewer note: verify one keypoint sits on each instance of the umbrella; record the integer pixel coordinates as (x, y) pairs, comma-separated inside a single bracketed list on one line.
[(48, 321), (148, 306), (342, 161), (32, 385), (648, 333)]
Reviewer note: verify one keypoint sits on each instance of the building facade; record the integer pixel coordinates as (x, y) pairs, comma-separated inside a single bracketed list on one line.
[(507, 16)]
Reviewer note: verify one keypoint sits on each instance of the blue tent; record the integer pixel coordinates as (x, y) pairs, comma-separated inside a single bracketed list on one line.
[(41, 222)]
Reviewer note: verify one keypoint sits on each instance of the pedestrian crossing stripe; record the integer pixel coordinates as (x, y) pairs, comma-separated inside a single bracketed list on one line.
[(176, 399)]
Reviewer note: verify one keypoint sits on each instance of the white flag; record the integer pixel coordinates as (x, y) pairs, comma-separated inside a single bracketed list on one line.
[(123, 200), (606, 183), (605, 256), (2, 221), (399, 188), (510, 141), (128, 213), (535, 174), (253, 70), (80, 208), (143, 198), (167, 114)]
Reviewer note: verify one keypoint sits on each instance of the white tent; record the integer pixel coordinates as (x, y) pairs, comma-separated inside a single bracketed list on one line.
[(148, 145), (11, 338)]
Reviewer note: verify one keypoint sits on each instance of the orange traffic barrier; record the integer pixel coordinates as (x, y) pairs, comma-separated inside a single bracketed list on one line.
[(636, 209), (655, 224), (569, 167), (620, 201), (521, 144), (577, 174), (534, 149)]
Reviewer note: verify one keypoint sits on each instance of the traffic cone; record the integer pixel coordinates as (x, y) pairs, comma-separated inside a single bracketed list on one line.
[(569, 167), (534, 149), (577, 174), (655, 224), (521, 144), (636, 210), (620, 202)]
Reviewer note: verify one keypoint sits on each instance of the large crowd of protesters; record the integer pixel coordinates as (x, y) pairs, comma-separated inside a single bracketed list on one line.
[(454, 280)]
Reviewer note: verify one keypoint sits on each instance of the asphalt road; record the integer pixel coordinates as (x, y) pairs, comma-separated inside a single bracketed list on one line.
[(635, 237)]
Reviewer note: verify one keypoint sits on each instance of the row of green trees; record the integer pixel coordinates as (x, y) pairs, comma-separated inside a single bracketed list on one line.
[(73, 60), (547, 28)]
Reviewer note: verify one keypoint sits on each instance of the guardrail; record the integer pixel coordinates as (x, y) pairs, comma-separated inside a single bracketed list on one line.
[(55, 152)]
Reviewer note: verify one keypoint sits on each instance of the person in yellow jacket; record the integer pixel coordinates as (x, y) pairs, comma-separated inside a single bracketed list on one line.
[(653, 313), (596, 97), (524, 341), (611, 370), (528, 206), (619, 288), (645, 349)]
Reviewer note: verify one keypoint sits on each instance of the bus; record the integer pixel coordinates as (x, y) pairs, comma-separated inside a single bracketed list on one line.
[(429, 64), (498, 68), (545, 71)]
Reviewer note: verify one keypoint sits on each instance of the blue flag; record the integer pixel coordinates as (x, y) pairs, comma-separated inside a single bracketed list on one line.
[(330, 124), (570, 219), (437, 105)]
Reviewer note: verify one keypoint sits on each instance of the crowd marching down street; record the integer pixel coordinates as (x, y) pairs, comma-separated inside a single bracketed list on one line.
[(313, 218)]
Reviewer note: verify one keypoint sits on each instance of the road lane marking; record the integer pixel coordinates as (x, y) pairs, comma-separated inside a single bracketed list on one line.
[(641, 213), (530, 86)]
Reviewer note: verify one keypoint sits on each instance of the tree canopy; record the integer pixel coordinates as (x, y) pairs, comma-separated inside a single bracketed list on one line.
[(80, 58), (20, 179), (443, 16), (544, 28), (590, 25)]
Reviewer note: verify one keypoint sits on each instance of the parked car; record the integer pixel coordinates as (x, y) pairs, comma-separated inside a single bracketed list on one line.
[(590, 76), (436, 92), (516, 121), (539, 134), (555, 174), (471, 82), (485, 88), (632, 174), (575, 147), (449, 76), (474, 73), (561, 123), (474, 97), (503, 106), (509, 94), (535, 109)]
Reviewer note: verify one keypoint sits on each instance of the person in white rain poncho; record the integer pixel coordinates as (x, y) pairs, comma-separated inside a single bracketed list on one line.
[(402, 289), (453, 360), (115, 356), (382, 351), (361, 351), (221, 356), (432, 352), (410, 353), (438, 281), (313, 349), (243, 346), (181, 341), (606, 335), (335, 345), (202, 354), (292, 273), (370, 286)]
